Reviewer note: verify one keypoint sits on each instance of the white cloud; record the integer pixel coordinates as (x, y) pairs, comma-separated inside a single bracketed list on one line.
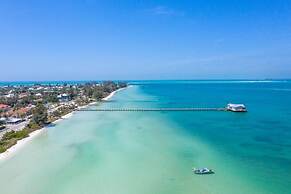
[(163, 10)]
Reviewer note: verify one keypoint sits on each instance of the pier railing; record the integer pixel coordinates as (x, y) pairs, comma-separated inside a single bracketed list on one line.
[(152, 109)]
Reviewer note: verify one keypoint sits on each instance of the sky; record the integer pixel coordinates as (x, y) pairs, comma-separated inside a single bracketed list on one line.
[(144, 39)]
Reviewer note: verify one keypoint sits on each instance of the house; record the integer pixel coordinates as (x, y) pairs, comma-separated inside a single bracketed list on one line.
[(13, 121), (9, 95), (38, 95), (236, 107), (38, 100), (22, 112), (4, 107), (64, 98), (22, 95), (2, 120)]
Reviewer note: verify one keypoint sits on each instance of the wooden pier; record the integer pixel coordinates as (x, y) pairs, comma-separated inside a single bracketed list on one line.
[(151, 109)]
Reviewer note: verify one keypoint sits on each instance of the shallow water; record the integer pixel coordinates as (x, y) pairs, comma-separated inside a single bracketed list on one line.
[(153, 152)]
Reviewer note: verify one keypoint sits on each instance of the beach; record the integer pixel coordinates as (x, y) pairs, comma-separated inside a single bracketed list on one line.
[(112, 94), (21, 143)]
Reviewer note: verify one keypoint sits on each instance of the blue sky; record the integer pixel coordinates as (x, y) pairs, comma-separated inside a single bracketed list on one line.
[(94, 39)]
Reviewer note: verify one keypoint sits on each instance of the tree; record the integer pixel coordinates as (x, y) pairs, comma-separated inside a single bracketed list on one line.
[(88, 91), (98, 94), (40, 115), (51, 98), (122, 84)]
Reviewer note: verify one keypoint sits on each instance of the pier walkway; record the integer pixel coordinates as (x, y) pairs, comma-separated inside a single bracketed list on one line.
[(152, 109)]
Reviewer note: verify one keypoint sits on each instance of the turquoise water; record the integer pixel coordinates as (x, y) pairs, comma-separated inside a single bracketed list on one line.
[(153, 152)]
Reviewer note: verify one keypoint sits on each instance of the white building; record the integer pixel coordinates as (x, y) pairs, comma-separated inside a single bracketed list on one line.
[(236, 107), (13, 120), (64, 98), (3, 120), (9, 95), (39, 95)]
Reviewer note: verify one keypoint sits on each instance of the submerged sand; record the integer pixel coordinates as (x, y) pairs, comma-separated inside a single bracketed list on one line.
[(21, 143)]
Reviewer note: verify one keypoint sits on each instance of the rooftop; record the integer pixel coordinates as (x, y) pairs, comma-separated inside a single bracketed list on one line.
[(4, 106)]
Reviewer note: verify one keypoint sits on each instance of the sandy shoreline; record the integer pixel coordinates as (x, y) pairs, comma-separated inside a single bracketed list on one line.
[(112, 94), (85, 106), (21, 143)]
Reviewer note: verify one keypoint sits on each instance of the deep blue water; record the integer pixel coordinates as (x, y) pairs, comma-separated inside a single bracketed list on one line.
[(259, 140)]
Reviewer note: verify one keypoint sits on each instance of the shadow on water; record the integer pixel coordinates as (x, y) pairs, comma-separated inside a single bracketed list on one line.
[(51, 125)]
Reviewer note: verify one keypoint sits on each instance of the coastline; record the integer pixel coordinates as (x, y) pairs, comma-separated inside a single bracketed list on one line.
[(112, 94), (85, 106), (21, 143)]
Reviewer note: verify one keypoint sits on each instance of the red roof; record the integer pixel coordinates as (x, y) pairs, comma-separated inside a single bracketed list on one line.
[(23, 110), (4, 106)]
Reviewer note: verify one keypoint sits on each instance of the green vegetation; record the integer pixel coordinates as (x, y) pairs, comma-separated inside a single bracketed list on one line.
[(39, 119), (62, 111), (42, 96), (40, 116), (50, 98), (10, 138)]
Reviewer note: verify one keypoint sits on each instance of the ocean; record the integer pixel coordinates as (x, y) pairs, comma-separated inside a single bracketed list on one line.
[(154, 152)]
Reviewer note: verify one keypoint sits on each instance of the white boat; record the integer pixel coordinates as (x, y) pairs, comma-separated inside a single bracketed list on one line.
[(236, 107), (202, 171)]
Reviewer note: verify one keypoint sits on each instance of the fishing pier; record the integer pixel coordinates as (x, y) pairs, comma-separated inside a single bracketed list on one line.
[(229, 107), (152, 109)]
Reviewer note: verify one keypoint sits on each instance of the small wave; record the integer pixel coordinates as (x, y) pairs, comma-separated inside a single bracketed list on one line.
[(261, 81), (206, 81), (282, 89), (237, 81)]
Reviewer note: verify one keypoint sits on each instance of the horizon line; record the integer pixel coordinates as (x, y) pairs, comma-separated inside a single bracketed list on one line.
[(211, 79)]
